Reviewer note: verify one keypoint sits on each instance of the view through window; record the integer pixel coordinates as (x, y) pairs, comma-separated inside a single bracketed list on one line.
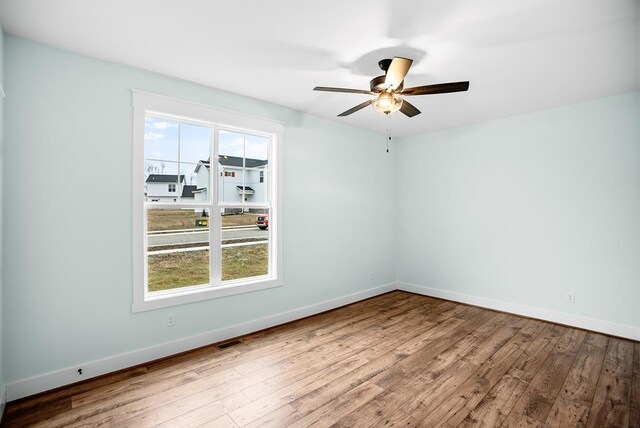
[(207, 203)]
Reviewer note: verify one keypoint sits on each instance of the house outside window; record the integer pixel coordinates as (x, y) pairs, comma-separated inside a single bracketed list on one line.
[(187, 247)]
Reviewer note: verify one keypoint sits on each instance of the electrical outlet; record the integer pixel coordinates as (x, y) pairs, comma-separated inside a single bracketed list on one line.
[(370, 276), (171, 320), (571, 297)]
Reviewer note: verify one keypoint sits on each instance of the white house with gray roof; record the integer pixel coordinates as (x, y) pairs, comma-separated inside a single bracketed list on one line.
[(167, 188), (233, 187)]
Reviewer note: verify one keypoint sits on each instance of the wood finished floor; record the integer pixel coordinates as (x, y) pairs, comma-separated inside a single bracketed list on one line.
[(395, 360)]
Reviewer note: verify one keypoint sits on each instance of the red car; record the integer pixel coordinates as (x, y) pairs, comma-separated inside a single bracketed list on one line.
[(263, 221)]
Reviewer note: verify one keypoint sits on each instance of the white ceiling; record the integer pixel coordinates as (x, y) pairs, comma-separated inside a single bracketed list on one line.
[(520, 56)]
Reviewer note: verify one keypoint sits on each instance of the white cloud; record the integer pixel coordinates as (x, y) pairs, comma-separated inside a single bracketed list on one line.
[(245, 147), (256, 150), (162, 125), (154, 135), (234, 148), (156, 154)]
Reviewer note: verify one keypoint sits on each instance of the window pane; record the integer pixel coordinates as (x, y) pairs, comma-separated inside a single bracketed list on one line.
[(195, 143), (160, 139), (256, 163), (245, 243), (177, 248), (243, 168), (230, 167), (161, 181)]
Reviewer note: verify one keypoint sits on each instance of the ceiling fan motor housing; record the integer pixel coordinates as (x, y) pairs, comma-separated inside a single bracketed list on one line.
[(384, 64), (377, 84)]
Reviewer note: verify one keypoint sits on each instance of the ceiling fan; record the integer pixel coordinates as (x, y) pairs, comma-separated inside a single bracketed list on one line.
[(389, 87)]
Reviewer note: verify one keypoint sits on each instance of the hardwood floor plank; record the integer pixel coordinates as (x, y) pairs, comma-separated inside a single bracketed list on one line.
[(518, 420), (320, 396), (371, 342), (437, 400), (457, 362), (541, 393), (191, 411), (634, 411), (398, 359), (438, 343), (378, 330), (222, 422), (475, 388), (122, 408), (43, 406), (261, 358), (284, 396), (388, 346), (318, 325), (277, 418), (264, 385), (323, 393), (344, 403), (142, 387), (495, 406), (611, 403), (572, 406)]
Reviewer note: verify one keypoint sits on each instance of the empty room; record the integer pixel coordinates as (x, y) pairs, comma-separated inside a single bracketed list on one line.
[(343, 213)]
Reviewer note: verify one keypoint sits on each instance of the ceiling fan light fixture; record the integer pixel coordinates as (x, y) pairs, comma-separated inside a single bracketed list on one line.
[(387, 103), (388, 88)]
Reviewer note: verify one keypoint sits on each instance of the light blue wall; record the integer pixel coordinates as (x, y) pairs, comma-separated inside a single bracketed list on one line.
[(527, 208), (68, 276)]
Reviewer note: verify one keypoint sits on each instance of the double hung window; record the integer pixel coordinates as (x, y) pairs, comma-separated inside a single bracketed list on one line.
[(202, 177)]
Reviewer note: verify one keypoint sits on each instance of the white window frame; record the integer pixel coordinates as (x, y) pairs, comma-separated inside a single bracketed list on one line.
[(144, 103)]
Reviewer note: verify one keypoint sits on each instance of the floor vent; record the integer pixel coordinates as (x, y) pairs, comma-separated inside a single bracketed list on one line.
[(228, 344)]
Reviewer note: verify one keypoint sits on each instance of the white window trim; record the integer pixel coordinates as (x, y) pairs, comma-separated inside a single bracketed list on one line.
[(143, 102)]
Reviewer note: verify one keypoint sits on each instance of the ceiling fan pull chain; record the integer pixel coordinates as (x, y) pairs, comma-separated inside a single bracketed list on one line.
[(388, 131)]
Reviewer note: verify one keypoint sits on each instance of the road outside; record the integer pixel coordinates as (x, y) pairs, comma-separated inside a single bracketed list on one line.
[(177, 237)]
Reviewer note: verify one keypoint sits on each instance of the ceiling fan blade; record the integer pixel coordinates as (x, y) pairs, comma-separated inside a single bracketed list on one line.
[(409, 109), (397, 71), (356, 108), (347, 90), (440, 88)]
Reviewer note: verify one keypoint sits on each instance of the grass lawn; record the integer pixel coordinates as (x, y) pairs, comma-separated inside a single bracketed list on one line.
[(245, 219), (186, 219), (167, 271), (245, 261), (175, 270), (171, 219)]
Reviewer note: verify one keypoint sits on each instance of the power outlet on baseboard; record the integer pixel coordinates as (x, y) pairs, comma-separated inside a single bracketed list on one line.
[(171, 320)]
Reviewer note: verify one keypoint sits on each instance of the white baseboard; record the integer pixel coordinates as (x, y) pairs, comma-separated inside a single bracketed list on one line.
[(606, 327), (25, 387)]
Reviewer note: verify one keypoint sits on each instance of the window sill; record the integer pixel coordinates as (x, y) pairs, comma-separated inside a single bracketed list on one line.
[(161, 300)]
